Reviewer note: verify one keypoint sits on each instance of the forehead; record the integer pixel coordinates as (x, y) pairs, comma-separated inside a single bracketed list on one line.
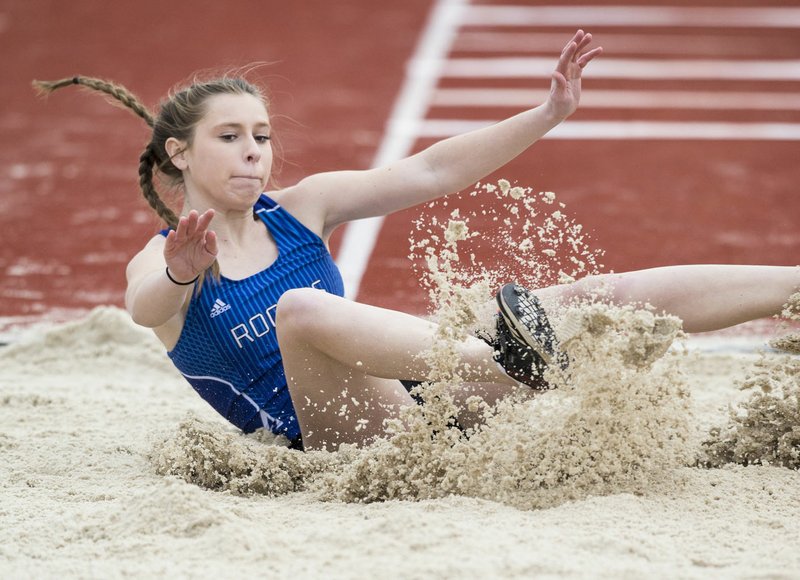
[(235, 109)]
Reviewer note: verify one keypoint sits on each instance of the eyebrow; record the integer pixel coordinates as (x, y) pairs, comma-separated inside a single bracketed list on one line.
[(240, 126)]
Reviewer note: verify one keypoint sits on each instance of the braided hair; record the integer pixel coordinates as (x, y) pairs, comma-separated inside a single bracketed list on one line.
[(177, 117)]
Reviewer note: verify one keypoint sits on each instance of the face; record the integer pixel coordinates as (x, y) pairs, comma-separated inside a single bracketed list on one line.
[(229, 161)]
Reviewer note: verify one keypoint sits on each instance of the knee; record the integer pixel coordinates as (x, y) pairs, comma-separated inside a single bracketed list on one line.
[(299, 310)]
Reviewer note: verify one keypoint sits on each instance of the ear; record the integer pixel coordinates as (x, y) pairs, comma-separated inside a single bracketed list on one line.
[(175, 150)]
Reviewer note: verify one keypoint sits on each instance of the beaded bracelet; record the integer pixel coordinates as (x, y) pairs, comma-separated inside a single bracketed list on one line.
[(174, 281)]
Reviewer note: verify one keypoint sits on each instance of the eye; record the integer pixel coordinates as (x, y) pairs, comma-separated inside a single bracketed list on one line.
[(228, 137), (262, 138)]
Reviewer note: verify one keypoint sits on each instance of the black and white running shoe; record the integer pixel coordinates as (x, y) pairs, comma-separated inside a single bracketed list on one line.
[(526, 343)]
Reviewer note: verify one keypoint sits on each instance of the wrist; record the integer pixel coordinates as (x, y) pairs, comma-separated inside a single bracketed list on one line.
[(178, 281), (551, 115)]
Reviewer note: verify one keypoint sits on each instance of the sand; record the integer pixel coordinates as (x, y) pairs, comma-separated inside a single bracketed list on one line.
[(83, 405), (653, 457)]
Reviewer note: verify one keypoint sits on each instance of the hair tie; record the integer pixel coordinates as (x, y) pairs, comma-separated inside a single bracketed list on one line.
[(76, 80), (174, 281)]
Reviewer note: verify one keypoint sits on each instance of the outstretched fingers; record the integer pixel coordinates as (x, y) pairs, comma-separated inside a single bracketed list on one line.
[(587, 57), (205, 220), (186, 226), (193, 225), (574, 53), (191, 247), (583, 42), (566, 78), (566, 57)]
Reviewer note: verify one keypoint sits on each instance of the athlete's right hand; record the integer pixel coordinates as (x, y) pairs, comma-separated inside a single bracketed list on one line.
[(191, 247)]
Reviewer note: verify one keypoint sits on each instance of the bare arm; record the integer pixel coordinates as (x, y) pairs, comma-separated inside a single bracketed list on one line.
[(154, 300), (451, 164)]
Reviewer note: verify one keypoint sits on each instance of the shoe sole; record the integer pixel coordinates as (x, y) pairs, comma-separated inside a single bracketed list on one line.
[(507, 311)]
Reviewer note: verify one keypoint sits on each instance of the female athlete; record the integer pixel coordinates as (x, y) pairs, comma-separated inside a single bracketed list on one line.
[(244, 295)]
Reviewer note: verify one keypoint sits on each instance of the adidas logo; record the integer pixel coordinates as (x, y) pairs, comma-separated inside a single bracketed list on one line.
[(219, 307)]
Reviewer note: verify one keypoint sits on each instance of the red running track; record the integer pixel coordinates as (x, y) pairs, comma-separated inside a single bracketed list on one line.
[(647, 202), (72, 216)]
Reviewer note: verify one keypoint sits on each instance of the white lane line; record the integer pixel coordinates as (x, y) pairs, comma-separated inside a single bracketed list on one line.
[(679, 43), (621, 68), (422, 74), (613, 130), (660, 16), (604, 99)]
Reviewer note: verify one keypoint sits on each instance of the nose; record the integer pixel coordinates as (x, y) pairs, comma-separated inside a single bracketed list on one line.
[(253, 151)]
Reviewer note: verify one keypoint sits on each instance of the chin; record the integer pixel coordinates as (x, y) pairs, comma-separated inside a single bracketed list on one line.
[(252, 192)]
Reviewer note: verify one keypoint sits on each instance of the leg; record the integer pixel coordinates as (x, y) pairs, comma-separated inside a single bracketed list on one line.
[(335, 350), (705, 297)]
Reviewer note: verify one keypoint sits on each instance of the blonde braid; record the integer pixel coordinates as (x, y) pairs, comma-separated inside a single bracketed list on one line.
[(117, 92), (147, 160), (177, 118)]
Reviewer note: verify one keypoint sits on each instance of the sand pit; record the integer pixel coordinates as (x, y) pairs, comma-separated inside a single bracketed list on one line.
[(83, 407), (651, 458)]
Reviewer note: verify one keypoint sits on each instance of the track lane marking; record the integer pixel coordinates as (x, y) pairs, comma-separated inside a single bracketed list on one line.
[(422, 74), (612, 130), (712, 43), (623, 68), (632, 99), (651, 16)]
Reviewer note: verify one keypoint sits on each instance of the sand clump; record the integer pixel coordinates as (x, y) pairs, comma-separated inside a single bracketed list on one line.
[(528, 234), (764, 429), (613, 425), (617, 421), (221, 460), (789, 342)]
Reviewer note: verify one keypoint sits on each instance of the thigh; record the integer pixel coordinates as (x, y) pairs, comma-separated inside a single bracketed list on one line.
[(336, 404)]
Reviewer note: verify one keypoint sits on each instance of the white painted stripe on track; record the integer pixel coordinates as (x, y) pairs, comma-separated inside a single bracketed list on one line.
[(605, 99), (621, 68), (422, 74), (614, 130), (679, 43), (634, 16)]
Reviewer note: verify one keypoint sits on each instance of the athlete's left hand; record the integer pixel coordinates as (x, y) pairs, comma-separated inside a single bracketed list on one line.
[(565, 87)]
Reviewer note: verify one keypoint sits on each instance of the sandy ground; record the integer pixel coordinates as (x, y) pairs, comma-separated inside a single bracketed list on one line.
[(82, 406)]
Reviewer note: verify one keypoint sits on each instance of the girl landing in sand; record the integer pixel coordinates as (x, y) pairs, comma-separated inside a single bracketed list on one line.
[(245, 296)]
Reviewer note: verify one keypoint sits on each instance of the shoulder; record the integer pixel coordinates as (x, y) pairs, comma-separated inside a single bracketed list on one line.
[(303, 203), (324, 201)]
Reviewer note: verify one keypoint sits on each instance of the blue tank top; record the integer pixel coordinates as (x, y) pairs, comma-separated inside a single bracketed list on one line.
[(228, 350)]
